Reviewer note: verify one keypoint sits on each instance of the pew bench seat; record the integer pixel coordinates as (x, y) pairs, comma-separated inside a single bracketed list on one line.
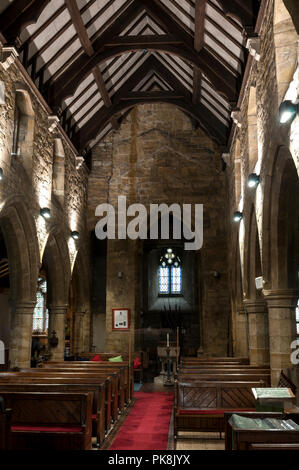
[(201, 406), (45, 420)]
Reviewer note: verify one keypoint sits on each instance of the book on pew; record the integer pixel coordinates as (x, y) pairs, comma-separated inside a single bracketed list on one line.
[(264, 424), (273, 399)]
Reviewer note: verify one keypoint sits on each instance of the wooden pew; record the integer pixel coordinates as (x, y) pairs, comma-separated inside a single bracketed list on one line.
[(105, 357), (5, 423), (200, 406), (122, 368), (98, 398), (85, 382), (116, 377), (50, 421), (277, 446), (244, 439), (216, 360), (232, 377), (221, 367)]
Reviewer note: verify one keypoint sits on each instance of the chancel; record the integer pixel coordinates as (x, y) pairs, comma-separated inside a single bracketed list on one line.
[(149, 225)]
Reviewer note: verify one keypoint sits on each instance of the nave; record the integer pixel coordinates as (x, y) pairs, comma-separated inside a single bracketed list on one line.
[(149, 224)]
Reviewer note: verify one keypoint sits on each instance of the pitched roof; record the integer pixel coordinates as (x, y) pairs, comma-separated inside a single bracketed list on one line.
[(93, 60)]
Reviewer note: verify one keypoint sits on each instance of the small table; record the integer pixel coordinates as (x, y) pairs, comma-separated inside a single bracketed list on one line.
[(164, 357)]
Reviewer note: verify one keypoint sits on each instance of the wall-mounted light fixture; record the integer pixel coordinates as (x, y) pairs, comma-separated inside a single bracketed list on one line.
[(45, 213), (238, 216), (75, 235), (1, 174), (287, 112), (253, 180)]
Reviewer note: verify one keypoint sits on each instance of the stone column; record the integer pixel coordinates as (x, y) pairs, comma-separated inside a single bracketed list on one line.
[(21, 334), (282, 329), (258, 331), (241, 334), (78, 335), (57, 323)]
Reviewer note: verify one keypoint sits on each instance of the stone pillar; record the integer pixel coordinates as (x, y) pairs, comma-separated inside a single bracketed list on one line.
[(241, 334), (282, 329), (21, 334), (57, 323), (78, 335), (258, 331)]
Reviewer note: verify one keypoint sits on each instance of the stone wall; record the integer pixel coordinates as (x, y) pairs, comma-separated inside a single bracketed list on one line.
[(271, 79), (26, 187), (157, 157)]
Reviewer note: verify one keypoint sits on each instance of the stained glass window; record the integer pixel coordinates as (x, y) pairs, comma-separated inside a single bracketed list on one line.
[(176, 280), (170, 273), (163, 280), (40, 314)]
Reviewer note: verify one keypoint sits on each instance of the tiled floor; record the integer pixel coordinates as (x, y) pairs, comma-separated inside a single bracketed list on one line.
[(199, 441)]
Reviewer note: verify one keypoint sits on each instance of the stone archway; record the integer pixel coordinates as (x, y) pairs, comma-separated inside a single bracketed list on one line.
[(239, 315), (57, 266), (254, 302), (281, 293), (81, 320), (20, 237)]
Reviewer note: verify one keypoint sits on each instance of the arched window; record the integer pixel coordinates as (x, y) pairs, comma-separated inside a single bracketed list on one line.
[(170, 274), (40, 314)]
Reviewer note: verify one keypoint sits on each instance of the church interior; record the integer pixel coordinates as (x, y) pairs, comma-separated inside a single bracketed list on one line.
[(113, 334)]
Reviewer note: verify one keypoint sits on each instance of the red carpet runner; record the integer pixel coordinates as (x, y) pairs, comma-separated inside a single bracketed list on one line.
[(147, 426)]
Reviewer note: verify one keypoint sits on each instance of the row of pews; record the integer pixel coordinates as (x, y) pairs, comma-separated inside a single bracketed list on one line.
[(63, 405), (211, 393), (206, 388)]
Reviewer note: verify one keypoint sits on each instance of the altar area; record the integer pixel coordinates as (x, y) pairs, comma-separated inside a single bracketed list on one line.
[(168, 357)]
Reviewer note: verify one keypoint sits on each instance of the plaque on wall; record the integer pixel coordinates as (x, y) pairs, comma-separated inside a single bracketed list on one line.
[(120, 319)]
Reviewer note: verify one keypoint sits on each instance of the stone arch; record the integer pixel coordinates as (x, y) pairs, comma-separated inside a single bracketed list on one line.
[(239, 316), (20, 238), (23, 133), (252, 255), (252, 130), (281, 223), (57, 265), (22, 245), (286, 47), (81, 303)]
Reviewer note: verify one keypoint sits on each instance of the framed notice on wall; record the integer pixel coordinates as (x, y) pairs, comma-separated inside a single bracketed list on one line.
[(120, 319)]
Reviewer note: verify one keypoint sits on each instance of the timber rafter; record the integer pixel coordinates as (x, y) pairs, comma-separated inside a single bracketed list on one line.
[(189, 53)]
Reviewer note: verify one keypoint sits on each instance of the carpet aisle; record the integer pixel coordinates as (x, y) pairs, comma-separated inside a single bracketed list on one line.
[(147, 426)]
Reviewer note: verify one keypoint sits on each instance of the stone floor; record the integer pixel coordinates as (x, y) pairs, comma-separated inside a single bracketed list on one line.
[(199, 441)]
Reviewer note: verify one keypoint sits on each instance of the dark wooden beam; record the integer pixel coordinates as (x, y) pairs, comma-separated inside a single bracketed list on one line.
[(202, 115), (18, 15), (200, 15), (140, 95), (223, 80), (125, 98), (144, 40), (245, 11), (79, 26)]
